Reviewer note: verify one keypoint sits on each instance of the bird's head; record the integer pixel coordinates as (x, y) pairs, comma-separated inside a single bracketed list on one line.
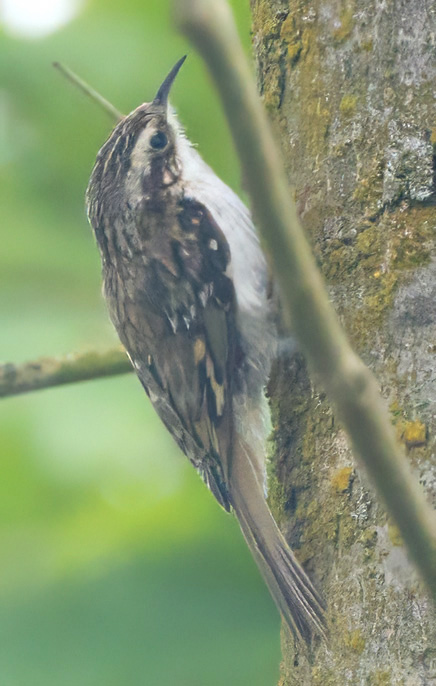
[(139, 160)]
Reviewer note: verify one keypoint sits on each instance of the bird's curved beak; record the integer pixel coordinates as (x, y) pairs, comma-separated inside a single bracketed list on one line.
[(161, 98)]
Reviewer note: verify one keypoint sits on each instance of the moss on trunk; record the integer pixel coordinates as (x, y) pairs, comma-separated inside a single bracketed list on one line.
[(350, 90)]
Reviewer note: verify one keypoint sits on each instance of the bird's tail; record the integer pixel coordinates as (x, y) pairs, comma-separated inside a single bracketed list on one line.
[(294, 594)]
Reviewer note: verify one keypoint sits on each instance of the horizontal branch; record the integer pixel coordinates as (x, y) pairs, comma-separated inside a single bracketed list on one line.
[(57, 371), (350, 385)]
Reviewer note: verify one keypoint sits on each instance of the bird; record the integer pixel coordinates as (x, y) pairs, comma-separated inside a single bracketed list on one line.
[(189, 292)]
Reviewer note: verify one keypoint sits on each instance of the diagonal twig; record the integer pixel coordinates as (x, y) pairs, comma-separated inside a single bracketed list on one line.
[(89, 91), (350, 385)]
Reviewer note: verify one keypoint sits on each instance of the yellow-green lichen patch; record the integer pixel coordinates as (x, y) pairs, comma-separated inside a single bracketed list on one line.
[(287, 411), (276, 497), (291, 36), (369, 247), (294, 31), (348, 104), (267, 26), (368, 539), (297, 464), (367, 45), (381, 677), (355, 641), (381, 298), (383, 251), (394, 535), (294, 50), (341, 479), (300, 42), (323, 677), (266, 23), (414, 434), (288, 30), (272, 88), (327, 517), (343, 31), (369, 187), (318, 121), (306, 38), (311, 513), (396, 411), (413, 241)]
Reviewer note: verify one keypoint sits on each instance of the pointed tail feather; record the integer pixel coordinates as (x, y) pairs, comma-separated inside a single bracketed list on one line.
[(294, 594)]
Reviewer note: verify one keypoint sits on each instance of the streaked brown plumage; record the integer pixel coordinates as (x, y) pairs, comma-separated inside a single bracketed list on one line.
[(187, 289)]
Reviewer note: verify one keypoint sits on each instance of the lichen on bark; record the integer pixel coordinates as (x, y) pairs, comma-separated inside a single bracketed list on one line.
[(350, 91)]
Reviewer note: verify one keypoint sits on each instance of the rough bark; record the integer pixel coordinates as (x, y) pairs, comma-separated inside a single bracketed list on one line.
[(350, 89)]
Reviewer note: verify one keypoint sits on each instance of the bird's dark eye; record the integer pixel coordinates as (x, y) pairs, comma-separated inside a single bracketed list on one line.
[(158, 140)]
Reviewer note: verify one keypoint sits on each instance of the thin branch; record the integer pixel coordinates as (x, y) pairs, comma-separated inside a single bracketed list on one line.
[(350, 385), (51, 371), (89, 91)]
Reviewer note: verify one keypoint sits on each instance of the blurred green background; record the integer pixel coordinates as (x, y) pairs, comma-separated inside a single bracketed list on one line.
[(117, 566)]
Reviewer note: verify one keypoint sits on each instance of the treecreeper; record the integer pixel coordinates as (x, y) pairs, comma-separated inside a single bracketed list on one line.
[(187, 289)]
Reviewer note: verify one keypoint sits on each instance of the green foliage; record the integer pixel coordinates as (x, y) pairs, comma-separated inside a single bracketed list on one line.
[(117, 565)]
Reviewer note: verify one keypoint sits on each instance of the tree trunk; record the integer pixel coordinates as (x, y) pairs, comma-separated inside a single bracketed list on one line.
[(350, 90)]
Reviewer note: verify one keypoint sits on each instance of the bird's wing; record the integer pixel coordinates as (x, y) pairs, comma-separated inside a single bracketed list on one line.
[(189, 342)]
